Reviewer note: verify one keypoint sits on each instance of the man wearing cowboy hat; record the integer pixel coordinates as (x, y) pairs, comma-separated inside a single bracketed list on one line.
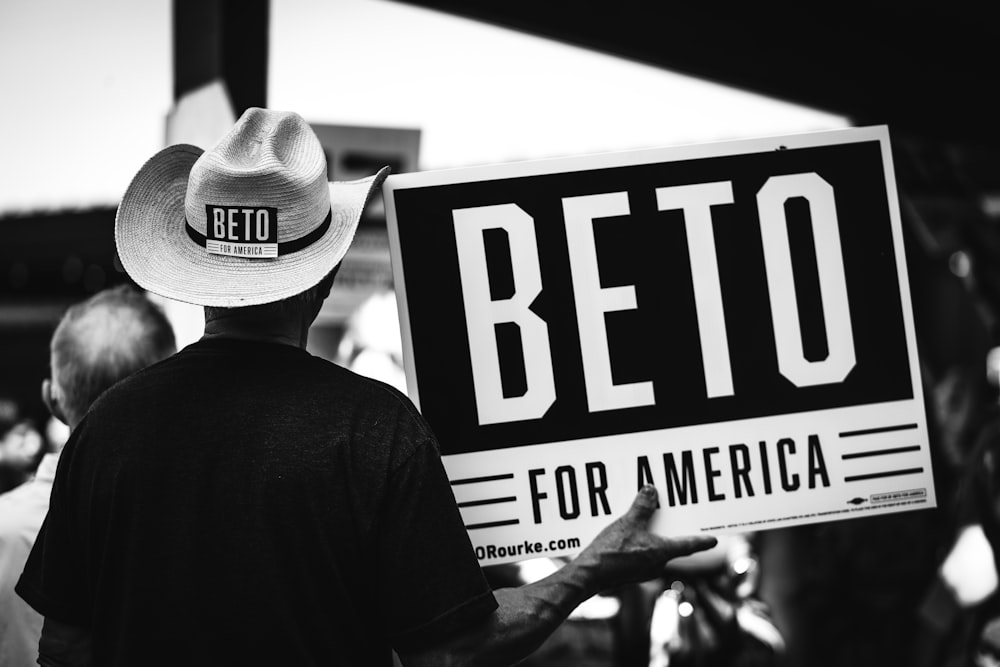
[(245, 502)]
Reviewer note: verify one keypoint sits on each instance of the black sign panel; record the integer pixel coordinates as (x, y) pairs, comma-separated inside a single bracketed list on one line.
[(659, 341)]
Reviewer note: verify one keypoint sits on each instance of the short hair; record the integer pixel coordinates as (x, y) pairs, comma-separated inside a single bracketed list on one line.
[(104, 339), (283, 309)]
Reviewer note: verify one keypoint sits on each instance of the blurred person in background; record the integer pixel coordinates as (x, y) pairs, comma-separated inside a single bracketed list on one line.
[(707, 612), (960, 610), (21, 445), (97, 342), (21, 449)]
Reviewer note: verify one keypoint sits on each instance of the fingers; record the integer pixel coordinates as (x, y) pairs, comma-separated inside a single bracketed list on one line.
[(689, 544), (639, 514), (643, 506)]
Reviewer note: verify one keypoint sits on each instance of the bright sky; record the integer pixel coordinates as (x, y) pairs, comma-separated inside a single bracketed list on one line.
[(86, 87)]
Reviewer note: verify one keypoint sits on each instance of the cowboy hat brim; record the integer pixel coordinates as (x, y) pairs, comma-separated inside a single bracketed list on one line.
[(159, 255)]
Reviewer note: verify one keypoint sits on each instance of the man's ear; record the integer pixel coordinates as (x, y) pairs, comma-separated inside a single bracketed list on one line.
[(323, 288), (52, 401), (326, 284)]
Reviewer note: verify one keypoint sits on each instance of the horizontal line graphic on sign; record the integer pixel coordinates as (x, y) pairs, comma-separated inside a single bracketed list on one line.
[(881, 452), (488, 501), (476, 480), (888, 473), (493, 524), (880, 429)]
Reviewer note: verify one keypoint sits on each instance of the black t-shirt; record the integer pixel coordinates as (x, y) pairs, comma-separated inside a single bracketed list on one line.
[(248, 503)]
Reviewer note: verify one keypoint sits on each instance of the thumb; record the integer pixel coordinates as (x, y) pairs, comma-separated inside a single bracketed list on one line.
[(643, 506)]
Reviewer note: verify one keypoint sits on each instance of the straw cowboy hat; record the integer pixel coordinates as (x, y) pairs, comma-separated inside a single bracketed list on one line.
[(253, 220)]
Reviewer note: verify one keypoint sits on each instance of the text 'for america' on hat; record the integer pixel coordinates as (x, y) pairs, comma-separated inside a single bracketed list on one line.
[(252, 220)]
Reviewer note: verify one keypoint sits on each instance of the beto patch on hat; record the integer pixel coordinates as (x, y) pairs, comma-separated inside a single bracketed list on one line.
[(240, 231), (250, 221)]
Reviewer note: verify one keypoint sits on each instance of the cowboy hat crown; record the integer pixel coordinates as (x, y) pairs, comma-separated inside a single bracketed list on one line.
[(250, 221)]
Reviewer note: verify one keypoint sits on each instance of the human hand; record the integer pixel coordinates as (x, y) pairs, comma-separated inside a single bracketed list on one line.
[(626, 552)]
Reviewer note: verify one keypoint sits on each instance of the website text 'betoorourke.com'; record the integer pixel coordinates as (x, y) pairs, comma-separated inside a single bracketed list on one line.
[(526, 548)]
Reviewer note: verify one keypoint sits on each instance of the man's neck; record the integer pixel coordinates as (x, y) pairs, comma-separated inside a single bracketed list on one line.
[(267, 331)]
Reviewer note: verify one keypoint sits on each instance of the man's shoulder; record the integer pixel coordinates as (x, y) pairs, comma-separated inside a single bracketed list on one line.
[(377, 412), (367, 393)]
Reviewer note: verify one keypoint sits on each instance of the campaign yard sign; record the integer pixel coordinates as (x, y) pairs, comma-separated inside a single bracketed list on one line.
[(730, 322)]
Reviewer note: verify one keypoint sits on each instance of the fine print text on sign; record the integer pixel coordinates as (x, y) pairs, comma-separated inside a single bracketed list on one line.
[(730, 322)]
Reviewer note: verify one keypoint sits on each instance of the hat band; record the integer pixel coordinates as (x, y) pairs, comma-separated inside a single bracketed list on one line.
[(285, 247)]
